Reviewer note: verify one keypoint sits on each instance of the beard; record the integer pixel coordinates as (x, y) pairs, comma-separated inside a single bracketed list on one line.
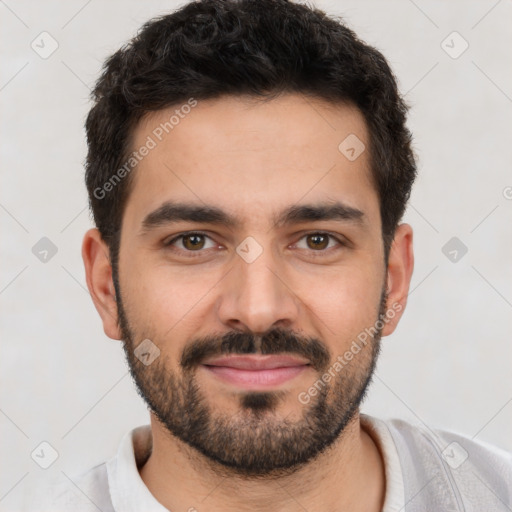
[(255, 441)]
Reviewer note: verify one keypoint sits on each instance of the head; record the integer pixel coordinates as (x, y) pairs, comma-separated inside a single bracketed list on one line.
[(248, 168)]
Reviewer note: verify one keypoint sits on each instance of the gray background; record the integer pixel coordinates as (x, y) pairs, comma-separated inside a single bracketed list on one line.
[(448, 364)]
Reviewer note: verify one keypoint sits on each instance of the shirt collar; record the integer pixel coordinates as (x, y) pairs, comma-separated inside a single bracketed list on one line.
[(127, 489), (130, 494), (395, 490)]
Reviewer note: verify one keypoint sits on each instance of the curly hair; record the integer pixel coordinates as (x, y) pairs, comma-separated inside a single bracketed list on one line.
[(212, 48)]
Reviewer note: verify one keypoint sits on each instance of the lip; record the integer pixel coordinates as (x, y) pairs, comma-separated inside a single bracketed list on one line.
[(257, 361), (256, 371)]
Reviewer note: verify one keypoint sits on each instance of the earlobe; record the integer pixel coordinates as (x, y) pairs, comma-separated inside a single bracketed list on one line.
[(399, 273), (98, 270)]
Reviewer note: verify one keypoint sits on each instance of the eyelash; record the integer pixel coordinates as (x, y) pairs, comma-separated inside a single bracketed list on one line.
[(201, 251)]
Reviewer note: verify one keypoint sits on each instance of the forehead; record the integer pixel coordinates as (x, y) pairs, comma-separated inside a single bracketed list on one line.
[(251, 158)]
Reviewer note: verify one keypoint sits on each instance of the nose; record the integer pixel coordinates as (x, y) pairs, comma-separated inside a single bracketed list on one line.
[(256, 296)]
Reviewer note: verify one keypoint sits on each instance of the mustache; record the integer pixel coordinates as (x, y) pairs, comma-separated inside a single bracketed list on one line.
[(274, 341)]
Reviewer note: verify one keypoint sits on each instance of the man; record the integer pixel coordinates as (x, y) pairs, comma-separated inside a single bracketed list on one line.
[(248, 168)]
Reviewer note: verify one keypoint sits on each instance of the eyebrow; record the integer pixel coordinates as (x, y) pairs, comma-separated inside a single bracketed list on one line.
[(172, 212)]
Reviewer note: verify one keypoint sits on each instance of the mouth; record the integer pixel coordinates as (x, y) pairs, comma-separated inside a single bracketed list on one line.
[(256, 371)]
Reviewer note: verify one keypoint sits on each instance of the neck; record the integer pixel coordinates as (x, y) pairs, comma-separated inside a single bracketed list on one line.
[(349, 475)]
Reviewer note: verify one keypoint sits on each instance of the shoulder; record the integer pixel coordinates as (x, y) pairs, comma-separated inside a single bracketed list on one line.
[(86, 492), (97, 488), (451, 448), (439, 462)]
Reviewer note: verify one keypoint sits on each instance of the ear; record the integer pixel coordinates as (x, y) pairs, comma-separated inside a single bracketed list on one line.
[(98, 271), (399, 272)]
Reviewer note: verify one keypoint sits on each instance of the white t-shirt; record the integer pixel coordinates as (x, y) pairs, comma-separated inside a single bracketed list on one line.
[(426, 471)]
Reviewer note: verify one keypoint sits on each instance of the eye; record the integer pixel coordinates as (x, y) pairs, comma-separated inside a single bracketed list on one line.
[(197, 242), (191, 242), (319, 241)]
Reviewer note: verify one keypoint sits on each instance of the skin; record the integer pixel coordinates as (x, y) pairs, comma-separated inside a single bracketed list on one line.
[(253, 160)]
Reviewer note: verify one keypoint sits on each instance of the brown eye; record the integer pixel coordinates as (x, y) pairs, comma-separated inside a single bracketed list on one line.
[(320, 243), (317, 241), (190, 242), (193, 242)]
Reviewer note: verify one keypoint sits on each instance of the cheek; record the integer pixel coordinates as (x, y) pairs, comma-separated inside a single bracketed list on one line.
[(165, 297), (343, 303)]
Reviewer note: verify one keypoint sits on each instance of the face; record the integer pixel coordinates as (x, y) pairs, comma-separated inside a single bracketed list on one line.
[(251, 260)]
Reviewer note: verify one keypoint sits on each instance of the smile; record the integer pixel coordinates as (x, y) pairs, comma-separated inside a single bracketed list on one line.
[(255, 371)]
